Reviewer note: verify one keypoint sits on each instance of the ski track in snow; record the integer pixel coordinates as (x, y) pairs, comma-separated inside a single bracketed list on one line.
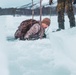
[(52, 56)]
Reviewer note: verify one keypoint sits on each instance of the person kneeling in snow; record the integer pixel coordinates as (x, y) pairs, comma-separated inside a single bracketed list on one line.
[(31, 29), (37, 31)]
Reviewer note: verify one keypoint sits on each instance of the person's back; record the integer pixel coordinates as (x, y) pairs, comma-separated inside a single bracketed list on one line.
[(37, 31), (24, 27)]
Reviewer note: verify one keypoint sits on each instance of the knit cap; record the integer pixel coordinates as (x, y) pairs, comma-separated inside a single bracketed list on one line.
[(46, 21)]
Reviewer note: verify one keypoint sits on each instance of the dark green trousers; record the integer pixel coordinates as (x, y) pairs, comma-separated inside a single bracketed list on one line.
[(65, 6)]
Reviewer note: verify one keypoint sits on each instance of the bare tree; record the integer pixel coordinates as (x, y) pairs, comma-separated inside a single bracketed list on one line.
[(40, 11), (32, 10)]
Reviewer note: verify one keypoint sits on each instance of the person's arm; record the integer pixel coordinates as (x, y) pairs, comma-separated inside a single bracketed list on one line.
[(33, 30)]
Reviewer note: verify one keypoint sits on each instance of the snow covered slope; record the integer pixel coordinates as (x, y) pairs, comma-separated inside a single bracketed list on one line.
[(3, 57), (55, 55)]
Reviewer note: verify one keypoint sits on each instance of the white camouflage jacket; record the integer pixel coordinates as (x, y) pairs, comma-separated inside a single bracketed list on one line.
[(35, 32)]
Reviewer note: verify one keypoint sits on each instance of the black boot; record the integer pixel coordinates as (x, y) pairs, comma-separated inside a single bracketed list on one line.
[(61, 25), (72, 24)]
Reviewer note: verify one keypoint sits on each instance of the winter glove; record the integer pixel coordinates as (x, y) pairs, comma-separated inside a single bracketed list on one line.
[(44, 35)]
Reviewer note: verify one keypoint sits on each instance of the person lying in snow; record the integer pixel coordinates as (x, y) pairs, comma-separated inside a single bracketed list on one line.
[(36, 31)]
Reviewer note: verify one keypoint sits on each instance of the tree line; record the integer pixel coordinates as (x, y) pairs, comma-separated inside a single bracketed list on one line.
[(25, 11)]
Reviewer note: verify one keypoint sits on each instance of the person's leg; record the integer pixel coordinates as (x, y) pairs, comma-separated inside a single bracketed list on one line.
[(70, 13), (60, 10), (71, 18), (61, 20)]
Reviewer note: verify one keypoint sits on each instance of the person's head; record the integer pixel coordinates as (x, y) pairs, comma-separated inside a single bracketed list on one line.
[(45, 22)]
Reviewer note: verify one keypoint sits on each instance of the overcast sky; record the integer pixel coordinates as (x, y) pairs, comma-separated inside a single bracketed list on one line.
[(16, 3)]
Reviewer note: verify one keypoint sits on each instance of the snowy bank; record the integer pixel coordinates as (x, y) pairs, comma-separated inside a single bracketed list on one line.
[(55, 55)]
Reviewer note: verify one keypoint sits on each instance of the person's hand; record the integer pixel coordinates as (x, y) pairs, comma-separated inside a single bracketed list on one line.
[(26, 38)]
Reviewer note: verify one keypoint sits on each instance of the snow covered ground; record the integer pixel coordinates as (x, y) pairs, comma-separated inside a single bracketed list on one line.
[(55, 55)]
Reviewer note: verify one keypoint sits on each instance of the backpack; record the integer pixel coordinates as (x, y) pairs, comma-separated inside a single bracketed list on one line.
[(24, 27)]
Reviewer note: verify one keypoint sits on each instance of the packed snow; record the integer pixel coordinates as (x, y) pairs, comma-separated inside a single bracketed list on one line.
[(55, 55)]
